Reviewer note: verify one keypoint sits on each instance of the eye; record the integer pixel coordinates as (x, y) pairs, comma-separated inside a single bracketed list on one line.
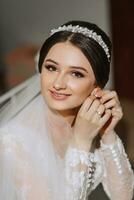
[(51, 68), (77, 74)]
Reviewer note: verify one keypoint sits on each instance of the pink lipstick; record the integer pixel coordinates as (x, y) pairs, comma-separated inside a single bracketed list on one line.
[(59, 96)]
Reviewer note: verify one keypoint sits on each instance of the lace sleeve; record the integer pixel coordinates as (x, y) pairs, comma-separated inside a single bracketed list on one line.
[(118, 178), (79, 170)]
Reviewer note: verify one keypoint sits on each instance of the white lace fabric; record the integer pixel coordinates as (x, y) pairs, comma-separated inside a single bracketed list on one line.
[(118, 177), (79, 170), (39, 164)]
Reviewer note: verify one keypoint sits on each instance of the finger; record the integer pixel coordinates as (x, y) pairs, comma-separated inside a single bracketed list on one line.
[(117, 113), (101, 109), (86, 105), (110, 104), (108, 95), (112, 125), (93, 108), (98, 114), (96, 117), (105, 117)]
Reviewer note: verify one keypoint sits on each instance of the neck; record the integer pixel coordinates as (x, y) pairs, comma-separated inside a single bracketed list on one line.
[(68, 115)]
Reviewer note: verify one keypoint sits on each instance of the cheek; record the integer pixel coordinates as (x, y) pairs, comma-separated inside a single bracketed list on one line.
[(82, 89)]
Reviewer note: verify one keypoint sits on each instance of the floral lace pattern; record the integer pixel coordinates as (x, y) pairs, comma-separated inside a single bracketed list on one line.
[(80, 167), (118, 171), (83, 171), (81, 182)]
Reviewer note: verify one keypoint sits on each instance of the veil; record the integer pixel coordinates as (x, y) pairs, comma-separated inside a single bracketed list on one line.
[(16, 99), (25, 116)]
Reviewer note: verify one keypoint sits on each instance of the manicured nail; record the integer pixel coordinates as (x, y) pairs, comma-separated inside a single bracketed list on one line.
[(94, 92), (98, 93)]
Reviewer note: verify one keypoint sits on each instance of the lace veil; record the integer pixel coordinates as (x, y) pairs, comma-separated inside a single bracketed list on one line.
[(45, 136)]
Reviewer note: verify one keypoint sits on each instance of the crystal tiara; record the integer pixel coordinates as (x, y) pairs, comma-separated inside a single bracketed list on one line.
[(85, 31)]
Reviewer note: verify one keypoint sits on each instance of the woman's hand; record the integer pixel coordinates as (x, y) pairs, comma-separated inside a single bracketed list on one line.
[(90, 119), (100, 112), (110, 100)]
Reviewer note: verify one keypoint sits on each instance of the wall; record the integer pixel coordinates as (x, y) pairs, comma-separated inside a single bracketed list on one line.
[(29, 21), (123, 40)]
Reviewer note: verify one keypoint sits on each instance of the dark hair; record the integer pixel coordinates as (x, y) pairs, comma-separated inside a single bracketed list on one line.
[(90, 48)]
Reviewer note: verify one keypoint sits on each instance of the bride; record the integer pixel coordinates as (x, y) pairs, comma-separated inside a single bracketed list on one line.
[(49, 134)]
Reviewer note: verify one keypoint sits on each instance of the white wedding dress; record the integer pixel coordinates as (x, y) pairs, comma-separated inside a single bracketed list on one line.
[(37, 161)]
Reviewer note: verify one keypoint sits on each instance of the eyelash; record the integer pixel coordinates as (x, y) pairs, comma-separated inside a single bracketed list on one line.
[(52, 68), (78, 74)]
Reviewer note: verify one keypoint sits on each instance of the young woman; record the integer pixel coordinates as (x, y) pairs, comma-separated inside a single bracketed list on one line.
[(48, 139)]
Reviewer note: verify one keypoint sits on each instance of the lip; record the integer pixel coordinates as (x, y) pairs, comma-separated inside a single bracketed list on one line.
[(59, 96)]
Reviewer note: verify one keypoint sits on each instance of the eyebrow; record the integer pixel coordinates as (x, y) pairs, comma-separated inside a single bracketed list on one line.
[(73, 67)]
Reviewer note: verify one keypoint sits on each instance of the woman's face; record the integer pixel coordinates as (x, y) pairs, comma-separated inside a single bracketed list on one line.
[(66, 78)]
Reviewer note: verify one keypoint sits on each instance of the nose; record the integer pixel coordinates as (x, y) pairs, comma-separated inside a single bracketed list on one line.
[(59, 82)]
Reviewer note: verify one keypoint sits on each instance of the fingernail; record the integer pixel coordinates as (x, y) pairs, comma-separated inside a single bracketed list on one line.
[(94, 91), (98, 93)]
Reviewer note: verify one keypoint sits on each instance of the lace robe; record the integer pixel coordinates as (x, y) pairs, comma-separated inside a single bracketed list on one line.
[(31, 168)]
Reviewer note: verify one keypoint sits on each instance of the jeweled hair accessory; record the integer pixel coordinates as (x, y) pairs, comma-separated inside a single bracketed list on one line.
[(85, 31)]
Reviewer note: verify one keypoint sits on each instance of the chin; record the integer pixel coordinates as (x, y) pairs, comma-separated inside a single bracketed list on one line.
[(60, 106)]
